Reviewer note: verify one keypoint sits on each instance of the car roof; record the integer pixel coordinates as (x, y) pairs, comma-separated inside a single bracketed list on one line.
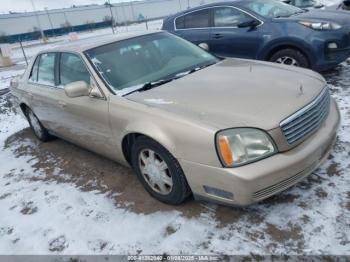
[(230, 2), (92, 42)]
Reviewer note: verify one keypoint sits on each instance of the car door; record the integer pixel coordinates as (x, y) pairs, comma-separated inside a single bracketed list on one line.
[(86, 118), (228, 39), (44, 96), (194, 26)]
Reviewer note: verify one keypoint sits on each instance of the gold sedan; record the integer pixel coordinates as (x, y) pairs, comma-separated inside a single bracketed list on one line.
[(226, 130)]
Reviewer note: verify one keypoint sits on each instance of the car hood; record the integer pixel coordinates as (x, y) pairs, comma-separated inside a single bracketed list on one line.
[(236, 93), (335, 16)]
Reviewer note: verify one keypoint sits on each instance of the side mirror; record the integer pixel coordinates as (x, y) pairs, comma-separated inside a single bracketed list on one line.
[(77, 89), (252, 23), (204, 46)]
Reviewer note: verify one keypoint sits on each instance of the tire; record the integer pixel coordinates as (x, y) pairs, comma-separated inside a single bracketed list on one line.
[(38, 129), (290, 57), (155, 176)]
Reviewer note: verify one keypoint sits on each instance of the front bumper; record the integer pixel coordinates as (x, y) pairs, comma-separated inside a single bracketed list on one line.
[(255, 182), (329, 58)]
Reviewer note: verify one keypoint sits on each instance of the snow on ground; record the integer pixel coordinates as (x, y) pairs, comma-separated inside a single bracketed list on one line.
[(6, 77), (45, 215)]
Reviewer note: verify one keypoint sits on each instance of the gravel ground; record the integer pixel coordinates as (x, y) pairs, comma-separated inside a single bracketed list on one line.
[(56, 198)]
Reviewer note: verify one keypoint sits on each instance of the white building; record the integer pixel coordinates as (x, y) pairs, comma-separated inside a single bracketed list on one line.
[(20, 23)]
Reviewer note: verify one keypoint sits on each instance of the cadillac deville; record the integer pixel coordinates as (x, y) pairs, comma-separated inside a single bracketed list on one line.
[(231, 131)]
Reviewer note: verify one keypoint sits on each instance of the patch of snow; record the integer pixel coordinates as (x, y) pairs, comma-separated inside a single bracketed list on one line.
[(6, 76)]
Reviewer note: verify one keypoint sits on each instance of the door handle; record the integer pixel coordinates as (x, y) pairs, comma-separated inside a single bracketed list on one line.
[(218, 36), (62, 104)]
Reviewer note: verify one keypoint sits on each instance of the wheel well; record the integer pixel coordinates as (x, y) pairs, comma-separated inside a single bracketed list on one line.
[(127, 143), (281, 47), (23, 108)]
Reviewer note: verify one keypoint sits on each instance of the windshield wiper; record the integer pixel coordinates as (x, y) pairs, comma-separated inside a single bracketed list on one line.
[(149, 85), (182, 74)]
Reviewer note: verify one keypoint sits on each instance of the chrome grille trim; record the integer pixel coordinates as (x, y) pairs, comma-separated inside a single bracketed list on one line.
[(306, 120), (271, 190)]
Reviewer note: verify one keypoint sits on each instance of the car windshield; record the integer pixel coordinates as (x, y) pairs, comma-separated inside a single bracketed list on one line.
[(145, 59), (271, 8)]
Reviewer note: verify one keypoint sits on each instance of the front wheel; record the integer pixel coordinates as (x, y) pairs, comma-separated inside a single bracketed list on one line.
[(290, 57), (159, 172)]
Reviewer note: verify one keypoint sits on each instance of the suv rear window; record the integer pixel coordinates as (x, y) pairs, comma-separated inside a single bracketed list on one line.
[(197, 19)]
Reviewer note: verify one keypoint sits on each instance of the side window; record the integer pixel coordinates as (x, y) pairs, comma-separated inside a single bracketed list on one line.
[(180, 22), (72, 69), (228, 17), (198, 19), (34, 74), (46, 72)]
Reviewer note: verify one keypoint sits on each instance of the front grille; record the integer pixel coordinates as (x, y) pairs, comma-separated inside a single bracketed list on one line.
[(306, 120)]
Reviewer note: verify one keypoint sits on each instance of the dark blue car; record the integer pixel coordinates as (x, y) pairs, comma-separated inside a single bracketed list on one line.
[(267, 30)]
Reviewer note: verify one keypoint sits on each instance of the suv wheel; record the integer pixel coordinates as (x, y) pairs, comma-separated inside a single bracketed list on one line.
[(159, 172), (39, 130), (290, 57)]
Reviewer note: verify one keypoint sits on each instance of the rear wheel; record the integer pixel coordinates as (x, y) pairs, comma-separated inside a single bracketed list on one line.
[(39, 130), (290, 57), (159, 172)]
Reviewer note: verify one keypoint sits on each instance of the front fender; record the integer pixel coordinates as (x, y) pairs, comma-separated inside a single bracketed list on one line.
[(277, 44), (153, 131)]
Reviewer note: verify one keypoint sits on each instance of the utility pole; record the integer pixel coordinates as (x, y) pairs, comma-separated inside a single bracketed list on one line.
[(24, 54), (48, 16), (37, 20), (132, 11), (188, 4), (125, 24), (180, 5), (112, 17), (67, 22)]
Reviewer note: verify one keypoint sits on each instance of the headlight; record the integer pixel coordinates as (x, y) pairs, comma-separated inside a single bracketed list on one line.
[(321, 25), (241, 146)]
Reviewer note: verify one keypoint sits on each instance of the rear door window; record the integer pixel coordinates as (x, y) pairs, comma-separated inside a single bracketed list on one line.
[(72, 69), (46, 71), (197, 19)]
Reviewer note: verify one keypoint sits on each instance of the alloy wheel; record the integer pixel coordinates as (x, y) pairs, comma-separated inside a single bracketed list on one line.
[(155, 171), (287, 60)]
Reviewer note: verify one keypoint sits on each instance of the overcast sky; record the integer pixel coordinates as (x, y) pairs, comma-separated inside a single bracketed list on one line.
[(25, 5)]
